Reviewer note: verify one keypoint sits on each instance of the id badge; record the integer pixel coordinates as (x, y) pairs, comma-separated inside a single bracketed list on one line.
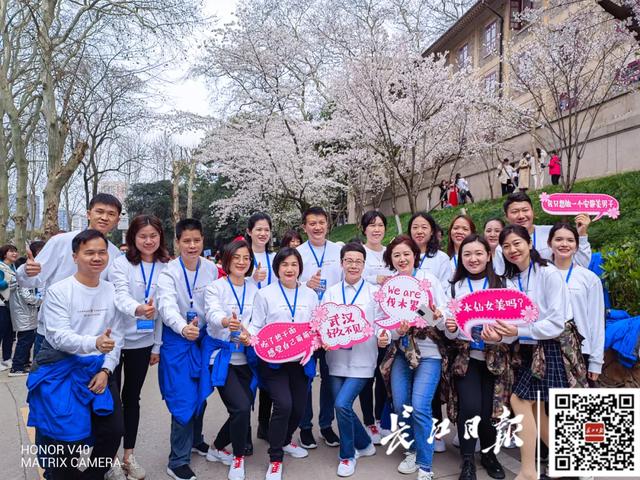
[(321, 289), (477, 343), (144, 325), (235, 342)]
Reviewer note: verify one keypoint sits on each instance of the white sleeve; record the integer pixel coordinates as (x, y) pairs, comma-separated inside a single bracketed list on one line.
[(596, 312), (215, 310), (583, 255), (119, 276), (58, 329), (258, 315), (112, 358), (555, 296), (444, 274), (167, 298), (49, 259), (157, 336)]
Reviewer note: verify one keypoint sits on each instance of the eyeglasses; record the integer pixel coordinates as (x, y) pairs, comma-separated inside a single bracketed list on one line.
[(348, 262)]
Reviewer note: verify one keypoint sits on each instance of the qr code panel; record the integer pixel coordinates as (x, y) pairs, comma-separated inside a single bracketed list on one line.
[(594, 432)]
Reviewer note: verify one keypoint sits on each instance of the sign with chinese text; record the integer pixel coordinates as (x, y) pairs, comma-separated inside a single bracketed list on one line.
[(401, 298), (281, 342), (598, 204), (341, 326)]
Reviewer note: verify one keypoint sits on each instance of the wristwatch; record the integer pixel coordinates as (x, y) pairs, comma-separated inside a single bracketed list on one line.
[(107, 371)]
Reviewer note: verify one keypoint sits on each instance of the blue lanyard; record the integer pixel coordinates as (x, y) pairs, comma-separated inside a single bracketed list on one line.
[(190, 288), (422, 260), (324, 250), (455, 259), (484, 285), (244, 291), (255, 264), (344, 297), (528, 278), (569, 274), (534, 239), (147, 286), (295, 301)]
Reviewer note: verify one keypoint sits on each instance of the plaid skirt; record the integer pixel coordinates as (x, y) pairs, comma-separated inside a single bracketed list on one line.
[(526, 386)]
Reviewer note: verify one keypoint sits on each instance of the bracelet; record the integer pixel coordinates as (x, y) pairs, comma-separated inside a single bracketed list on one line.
[(107, 371)]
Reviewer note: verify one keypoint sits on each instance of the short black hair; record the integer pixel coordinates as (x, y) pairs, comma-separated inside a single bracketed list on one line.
[(106, 199), (353, 247), (36, 246), (230, 249), (516, 197), (369, 217), (314, 211), (283, 253), (188, 224), (6, 249), (86, 236), (400, 240)]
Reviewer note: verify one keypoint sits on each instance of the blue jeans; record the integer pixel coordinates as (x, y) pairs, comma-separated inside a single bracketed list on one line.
[(352, 434), (22, 353), (326, 398), (183, 437), (416, 388)]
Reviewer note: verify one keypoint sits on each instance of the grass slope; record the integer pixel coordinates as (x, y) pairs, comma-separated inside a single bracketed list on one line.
[(605, 232)]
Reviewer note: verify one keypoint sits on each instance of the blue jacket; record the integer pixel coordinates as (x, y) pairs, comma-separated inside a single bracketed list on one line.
[(60, 403), (621, 334), (179, 374)]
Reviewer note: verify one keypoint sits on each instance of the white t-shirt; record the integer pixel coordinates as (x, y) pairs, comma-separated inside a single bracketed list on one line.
[(266, 260), (438, 266), (130, 289), (327, 259), (76, 315), (173, 294), (219, 303), (374, 265)]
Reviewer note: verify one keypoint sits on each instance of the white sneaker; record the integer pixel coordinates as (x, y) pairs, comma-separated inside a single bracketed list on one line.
[(8, 363), (439, 446), (3, 367), (370, 451), (346, 468), (236, 469), (274, 472), (408, 465), (422, 475), (222, 456), (115, 473), (374, 434), (295, 451), (384, 433), (133, 469)]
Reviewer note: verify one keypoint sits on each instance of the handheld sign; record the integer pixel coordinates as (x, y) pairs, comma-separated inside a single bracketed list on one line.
[(598, 204), (341, 326), (404, 298), (486, 306), (281, 342)]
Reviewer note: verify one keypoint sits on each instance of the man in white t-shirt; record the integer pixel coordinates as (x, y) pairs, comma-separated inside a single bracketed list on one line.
[(320, 270)]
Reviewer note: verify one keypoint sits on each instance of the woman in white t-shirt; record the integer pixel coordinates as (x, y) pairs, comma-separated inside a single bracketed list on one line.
[(422, 229)]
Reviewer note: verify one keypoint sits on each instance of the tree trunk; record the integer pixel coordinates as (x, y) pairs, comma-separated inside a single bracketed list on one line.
[(175, 198), (192, 175), (4, 190), (394, 206)]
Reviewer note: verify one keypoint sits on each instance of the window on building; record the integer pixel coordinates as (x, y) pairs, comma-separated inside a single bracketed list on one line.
[(464, 58), (490, 38), (491, 83)]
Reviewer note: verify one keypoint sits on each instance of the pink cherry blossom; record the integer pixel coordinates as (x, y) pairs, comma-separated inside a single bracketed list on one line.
[(425, 285), (254, 340), (316, 343), (613, 213), (544, 196), (368, 331), (420, 322), (315, 325), (379, 296), (454, 305), (529, 314)]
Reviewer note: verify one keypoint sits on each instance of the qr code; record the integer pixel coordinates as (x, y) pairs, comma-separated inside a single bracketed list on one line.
[(594, 431)]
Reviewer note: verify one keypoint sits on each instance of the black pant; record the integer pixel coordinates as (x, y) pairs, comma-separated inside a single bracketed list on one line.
[(264, 407), (288, 387), (475, 397), (367, 394), (555, 179), (506, 189), (107, 432), (136, 365), (22, 354), (6, 332), (237, 397), (436, 404)]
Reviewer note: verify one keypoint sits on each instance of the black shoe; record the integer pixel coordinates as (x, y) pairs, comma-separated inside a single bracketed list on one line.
[(330, 438), (183, 472), (263, 431), (491, 464), (248, 450), (201, 449), (468, 471), (306, 439)]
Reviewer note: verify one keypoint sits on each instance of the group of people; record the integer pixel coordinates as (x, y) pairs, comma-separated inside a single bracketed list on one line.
[(106, 317), (455, 192), (529, 171)]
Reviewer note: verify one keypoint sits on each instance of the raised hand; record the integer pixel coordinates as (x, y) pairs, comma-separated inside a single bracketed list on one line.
[(260, 275), (32, 268), (314, 282), (104, 343), (191, 330), (146, 310)]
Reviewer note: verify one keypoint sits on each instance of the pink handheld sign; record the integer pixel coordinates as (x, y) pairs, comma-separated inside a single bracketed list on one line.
[(598, 204), (281, 342), (341, 326), (404, 298)]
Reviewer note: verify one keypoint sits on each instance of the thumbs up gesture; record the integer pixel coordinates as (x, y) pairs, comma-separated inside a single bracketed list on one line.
[(383, 339), (314, 282), (234, 322), (191, 330), (32, 268), (260, 275), (104, 343), (146, 310)]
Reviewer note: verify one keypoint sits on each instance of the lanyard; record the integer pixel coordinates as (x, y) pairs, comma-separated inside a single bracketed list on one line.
[(534, 239), (424, 257), (484, 285), (528, 278), (295, 300), (324, 250), (344, 297), (244, 291), (147, 286), (186, 280), (255, 264), (569, 274), (455, 260)]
